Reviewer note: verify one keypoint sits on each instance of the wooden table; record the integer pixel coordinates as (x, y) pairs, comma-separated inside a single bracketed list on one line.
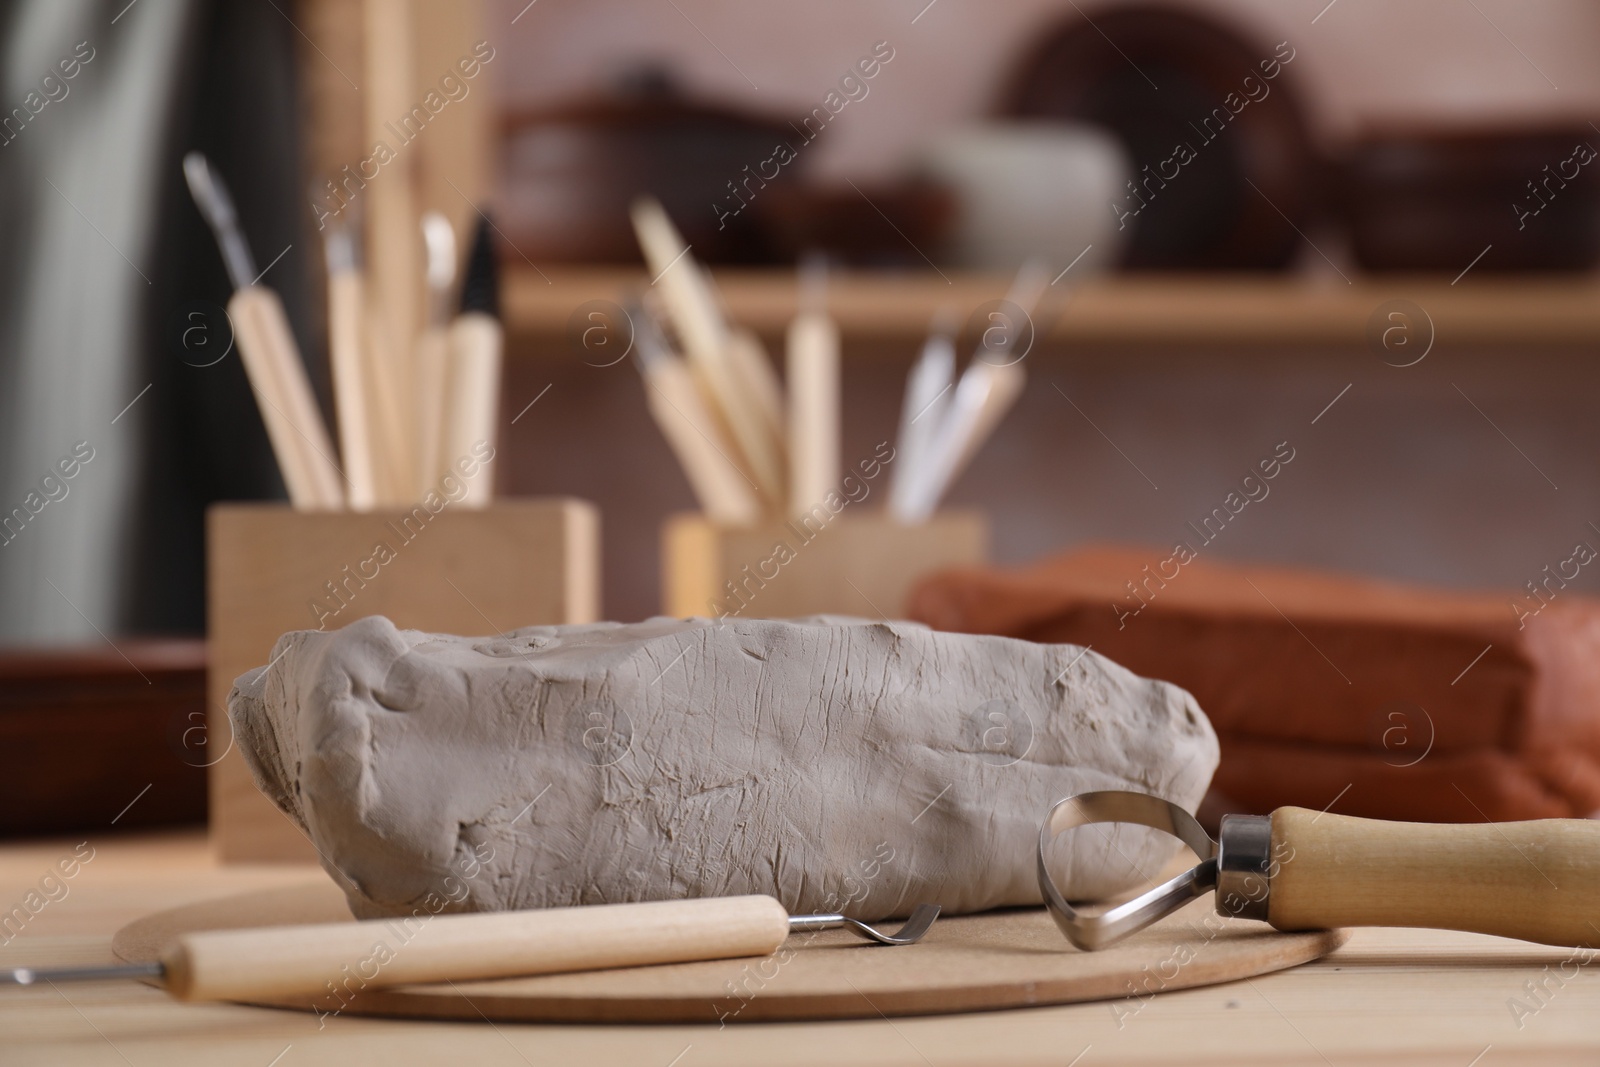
[(1412, 997)]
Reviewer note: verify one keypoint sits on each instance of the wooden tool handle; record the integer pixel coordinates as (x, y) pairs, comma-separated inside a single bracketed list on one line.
[(283, 392), (345, 958), (431, 396), (1537, 881), (813, 377), (700, 444), (472, 400), (350, 388), (389, 381)]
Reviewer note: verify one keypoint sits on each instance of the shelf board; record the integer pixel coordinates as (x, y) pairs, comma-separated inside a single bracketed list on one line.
[(1129, 309)]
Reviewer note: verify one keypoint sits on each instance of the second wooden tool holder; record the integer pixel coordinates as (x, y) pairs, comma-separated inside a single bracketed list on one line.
[(271, 570), (862, 565)]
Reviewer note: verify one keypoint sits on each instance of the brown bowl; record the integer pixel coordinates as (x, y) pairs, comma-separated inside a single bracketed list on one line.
[(572, 170), (1434, 200), (867, 226)]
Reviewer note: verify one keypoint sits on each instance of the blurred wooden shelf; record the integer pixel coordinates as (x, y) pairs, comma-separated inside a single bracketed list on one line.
[(87, 731), (1550, 311)]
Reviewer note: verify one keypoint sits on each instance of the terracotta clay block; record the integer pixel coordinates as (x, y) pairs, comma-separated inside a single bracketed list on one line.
[(1427, 705)]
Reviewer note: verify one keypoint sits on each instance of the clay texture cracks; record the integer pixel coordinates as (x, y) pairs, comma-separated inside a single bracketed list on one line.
[(835, 764)]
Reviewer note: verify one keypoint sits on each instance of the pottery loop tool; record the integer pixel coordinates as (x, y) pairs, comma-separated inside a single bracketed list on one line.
[(287, 961), (1306, 870)]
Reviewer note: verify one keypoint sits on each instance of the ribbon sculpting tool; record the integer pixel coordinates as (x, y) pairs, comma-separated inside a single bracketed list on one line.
[(1306, 870)]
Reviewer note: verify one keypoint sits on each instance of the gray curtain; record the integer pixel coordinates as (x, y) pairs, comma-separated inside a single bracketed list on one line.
[(109, 286)]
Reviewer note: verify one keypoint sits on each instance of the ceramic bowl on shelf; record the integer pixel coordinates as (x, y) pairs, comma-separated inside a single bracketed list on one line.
[(1029, 189)]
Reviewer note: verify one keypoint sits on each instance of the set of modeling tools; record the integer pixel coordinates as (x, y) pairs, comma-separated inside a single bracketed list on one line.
[(417, 411), (945, 420), (753, 447), (747, 450)]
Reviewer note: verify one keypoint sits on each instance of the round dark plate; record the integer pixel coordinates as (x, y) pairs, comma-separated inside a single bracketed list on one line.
[(1161, 80)]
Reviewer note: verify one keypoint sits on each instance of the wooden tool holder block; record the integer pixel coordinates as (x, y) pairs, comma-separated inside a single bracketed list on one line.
[(271, 569), (863, 565)]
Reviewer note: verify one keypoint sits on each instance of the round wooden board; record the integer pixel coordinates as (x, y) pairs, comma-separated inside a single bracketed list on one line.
[(1009, 959)]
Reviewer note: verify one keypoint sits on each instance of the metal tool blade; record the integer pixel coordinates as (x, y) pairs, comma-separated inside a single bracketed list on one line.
[(910, 933), (212, 198), (37, 976)]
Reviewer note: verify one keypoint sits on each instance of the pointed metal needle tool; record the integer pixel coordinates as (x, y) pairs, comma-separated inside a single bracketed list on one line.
[(280, 961)]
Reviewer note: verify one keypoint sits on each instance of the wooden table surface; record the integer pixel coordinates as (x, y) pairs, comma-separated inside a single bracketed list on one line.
[(1411, 997)]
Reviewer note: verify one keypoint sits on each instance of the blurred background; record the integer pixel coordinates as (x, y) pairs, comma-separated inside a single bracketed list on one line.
[(1364, 228)]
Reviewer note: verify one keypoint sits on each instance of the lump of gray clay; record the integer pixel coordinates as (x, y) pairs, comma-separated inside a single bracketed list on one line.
[(838, 765)]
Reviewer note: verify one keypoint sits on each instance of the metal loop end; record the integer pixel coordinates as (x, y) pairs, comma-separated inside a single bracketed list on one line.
[(1092, 932)]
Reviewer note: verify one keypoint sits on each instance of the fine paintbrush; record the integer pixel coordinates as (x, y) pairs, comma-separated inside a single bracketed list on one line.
[(986, 390), (351, 388), (472, 391), (355, 340), (922, 413), (271, 360), (433, 351)]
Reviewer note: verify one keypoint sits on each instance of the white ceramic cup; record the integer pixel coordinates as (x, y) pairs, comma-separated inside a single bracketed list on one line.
[(1030, 189)]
